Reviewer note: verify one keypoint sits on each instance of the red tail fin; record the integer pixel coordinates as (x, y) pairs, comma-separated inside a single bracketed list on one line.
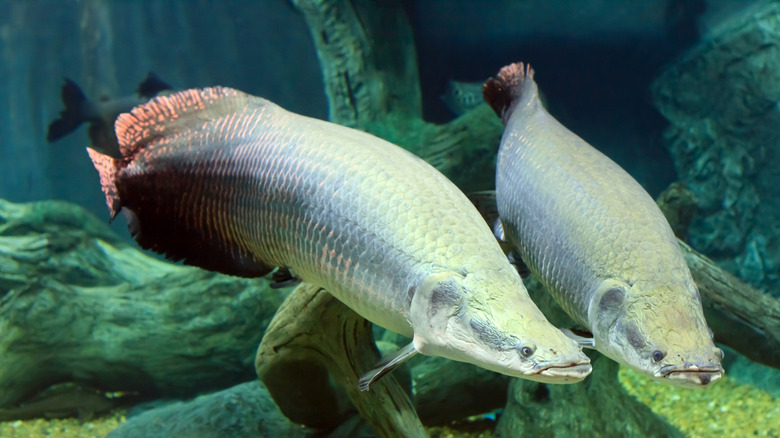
[(505, 90)]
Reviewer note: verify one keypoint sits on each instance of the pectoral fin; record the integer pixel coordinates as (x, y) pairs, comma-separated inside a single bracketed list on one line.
[(283, 277), (386, 366), (584, 341)]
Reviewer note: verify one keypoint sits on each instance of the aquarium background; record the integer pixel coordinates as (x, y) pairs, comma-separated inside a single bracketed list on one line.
[(108, 47), (595, 61)]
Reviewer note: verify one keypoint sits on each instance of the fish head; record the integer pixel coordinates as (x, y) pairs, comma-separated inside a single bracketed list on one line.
[(461, 97), (470, 318), (659, 331)]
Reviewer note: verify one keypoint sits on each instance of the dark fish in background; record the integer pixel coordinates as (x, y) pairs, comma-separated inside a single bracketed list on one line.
[(100, 114), (461, 97), (62, 401), (236, 184), (597, 241)]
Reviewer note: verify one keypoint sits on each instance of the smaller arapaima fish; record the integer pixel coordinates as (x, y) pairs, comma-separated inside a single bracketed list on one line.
[(234, 183), (597, 241)]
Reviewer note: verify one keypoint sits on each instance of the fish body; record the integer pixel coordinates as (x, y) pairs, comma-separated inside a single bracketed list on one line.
[(69, 401), (236, 184), (597, 241), (100, 114)]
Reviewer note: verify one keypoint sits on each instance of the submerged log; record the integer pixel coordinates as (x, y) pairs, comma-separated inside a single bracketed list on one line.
[(446, 391), (315, 338), (77, 304)]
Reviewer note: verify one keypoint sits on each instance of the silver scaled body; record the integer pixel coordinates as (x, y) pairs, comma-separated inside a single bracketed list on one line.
[(599, 244)]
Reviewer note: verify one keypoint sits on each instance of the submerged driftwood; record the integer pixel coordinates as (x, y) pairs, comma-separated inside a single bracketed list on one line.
[(77, 304), (313, 338), (741, 317)]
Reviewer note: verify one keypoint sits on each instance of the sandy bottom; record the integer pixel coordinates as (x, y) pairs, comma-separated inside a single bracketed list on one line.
[(725, 409), (64, 428)]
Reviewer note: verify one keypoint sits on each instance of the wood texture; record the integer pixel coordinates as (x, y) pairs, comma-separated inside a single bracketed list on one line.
[(79, 305), (314, 337)]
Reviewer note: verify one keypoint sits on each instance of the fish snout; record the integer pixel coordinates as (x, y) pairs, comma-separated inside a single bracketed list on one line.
[(570, 368), (694, 375), (568, 373), (694, 378)]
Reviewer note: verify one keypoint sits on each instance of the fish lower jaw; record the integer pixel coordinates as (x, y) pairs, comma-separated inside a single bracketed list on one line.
[(691, 377), (562, 374)]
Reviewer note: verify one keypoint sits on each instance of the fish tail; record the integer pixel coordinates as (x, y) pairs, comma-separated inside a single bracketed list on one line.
[(514, 82), (73, 114), (107, 167), (152, 86), (186, 138)]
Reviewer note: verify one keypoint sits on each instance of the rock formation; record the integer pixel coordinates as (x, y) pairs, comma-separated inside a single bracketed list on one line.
[(721, 100)]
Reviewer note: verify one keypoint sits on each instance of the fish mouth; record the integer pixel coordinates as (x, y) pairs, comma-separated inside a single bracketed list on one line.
[(563, 373), (692, 377)]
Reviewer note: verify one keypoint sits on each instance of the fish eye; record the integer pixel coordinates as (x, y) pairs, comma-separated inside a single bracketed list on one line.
[(526, 351), (658, 355)]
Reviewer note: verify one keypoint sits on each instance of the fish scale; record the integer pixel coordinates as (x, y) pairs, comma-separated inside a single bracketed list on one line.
[(236, 184)]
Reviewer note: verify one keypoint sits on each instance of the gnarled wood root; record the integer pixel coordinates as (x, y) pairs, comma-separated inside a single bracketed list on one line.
[(315, 338)]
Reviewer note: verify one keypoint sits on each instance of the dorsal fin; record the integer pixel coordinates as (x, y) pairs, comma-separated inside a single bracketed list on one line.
[(513, 82), (162, 116)]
